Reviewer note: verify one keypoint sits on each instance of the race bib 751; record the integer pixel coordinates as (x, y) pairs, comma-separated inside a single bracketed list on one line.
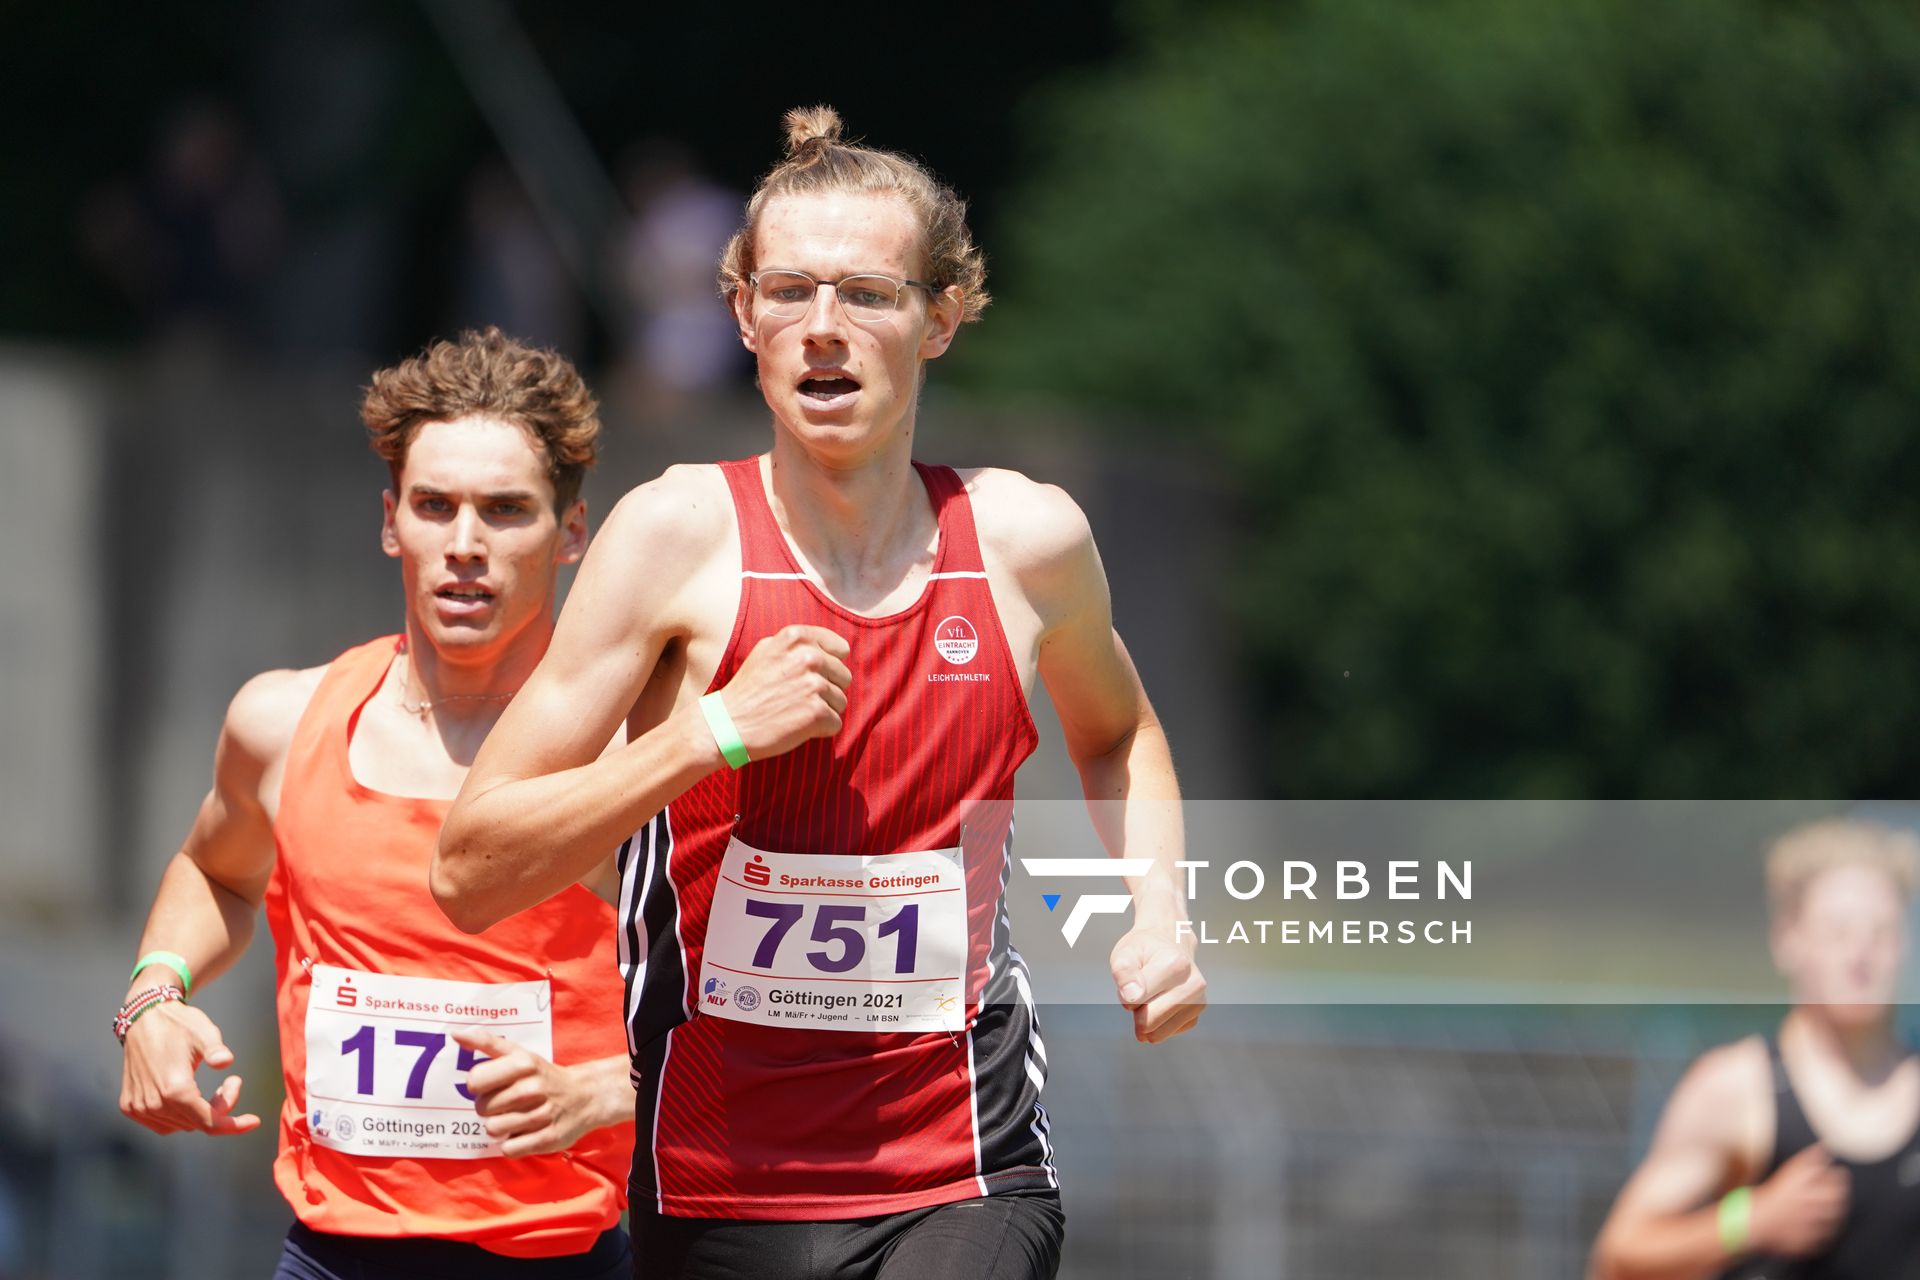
[(833, 942)]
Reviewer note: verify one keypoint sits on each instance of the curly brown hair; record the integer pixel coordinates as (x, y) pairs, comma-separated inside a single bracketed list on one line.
[(487, 373), (817, 161)]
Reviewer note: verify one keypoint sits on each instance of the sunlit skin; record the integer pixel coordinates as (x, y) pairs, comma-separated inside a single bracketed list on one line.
[(652, 613), (1842, 949), (829, 236), (472, 522), (480, 547)]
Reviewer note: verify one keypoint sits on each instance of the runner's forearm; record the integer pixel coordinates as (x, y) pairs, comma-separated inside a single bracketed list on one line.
[(1135, 800), (195, 916), (1679, 1246), (517, 842)]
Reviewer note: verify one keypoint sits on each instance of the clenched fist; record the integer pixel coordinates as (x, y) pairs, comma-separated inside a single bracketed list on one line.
[(1157, 980), (792, 687), (1798, 1211)]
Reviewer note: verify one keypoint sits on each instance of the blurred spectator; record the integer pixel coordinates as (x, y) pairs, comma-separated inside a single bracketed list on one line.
[(679, 342), (511, 273), (188, 240)]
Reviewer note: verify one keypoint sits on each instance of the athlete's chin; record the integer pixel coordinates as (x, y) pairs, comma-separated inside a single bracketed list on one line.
[(836, 436), (464, 614), (1857, 1008), (463, 632), (814, 420)]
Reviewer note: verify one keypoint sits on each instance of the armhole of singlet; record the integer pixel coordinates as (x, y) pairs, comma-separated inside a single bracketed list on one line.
[(1776, 1065), (1912, 1147), (956, 496), (314, 743), (1788, 1113), (341, 746), (728, 472), (309, 748), (1909, 1149), (944, 491)]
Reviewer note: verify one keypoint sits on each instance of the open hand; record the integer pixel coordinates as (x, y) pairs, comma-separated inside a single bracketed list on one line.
[(157, 1085), (536, 1107)]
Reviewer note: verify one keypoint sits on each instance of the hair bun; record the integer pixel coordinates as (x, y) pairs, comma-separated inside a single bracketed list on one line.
[(807, 125)]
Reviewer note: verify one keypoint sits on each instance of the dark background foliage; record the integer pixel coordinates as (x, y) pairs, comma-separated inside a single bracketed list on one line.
[(1564, 358)]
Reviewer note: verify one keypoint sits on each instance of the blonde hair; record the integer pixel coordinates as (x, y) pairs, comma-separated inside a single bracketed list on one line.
[(486, 373), (817, 161), (1805, 853)]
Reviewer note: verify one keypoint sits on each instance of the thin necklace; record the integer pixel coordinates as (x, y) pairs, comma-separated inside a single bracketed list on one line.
[(427, 704)]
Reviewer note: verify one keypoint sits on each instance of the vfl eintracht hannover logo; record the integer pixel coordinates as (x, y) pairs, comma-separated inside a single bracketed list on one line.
[(1089, 905)]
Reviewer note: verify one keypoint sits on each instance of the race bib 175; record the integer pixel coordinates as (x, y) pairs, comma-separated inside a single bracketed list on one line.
[(384, 1076)]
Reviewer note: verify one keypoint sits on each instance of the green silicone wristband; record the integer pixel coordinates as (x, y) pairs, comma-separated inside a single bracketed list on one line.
[(724, 732), (1735, 1219), (177, 963)]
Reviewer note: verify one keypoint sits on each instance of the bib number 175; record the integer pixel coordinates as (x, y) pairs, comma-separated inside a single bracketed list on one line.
[(426, 1045)]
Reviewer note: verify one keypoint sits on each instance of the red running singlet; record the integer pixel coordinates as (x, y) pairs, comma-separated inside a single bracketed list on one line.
[(821, 1118)]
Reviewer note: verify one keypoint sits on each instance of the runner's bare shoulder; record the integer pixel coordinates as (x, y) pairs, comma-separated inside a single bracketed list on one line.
[(265, 712), (684, 506), (1724, 1101), (247, 768), (1035, 529), (662, 533)]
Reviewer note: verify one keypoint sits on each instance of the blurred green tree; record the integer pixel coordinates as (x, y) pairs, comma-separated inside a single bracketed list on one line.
[(1567, 356)]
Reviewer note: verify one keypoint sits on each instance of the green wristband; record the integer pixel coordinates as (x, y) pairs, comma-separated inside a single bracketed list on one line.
[(177, 963), (1735, 1219), (724, 732)]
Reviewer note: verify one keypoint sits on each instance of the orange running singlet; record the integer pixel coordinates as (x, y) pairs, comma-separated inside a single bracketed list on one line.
[(372, 978)]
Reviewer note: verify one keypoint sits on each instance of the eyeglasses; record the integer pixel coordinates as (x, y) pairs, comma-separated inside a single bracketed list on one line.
[(789, 293)]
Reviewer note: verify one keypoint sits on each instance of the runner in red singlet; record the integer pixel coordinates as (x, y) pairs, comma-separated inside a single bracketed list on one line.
[(419, 1061), (833, 1038)]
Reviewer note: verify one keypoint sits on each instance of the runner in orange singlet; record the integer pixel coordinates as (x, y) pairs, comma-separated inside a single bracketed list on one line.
[(427, 1128)]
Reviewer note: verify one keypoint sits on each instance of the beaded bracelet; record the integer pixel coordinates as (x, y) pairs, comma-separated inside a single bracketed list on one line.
[(131, 1011)]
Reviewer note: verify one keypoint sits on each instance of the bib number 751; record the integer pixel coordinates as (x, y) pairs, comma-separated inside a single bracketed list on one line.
[(834, 926)]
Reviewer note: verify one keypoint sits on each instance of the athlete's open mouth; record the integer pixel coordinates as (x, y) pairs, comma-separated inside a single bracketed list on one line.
[(464, 592), (827, 384)]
